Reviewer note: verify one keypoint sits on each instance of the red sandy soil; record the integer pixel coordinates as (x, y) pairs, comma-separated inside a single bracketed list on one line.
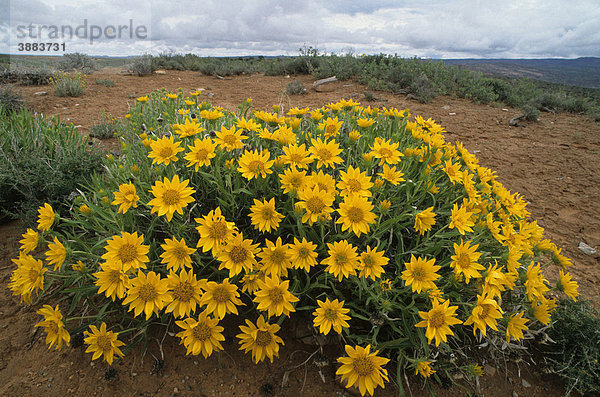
[(553, 163)]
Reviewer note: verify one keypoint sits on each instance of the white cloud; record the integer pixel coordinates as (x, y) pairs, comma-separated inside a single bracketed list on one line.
[(453, 28)]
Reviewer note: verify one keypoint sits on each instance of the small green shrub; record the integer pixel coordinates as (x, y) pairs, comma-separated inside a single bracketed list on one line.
[(423, 89), (77, 62), (531, 112), (106, 128), (295, 88), (574, 357), (10, 100), (105, 82), (25, 76), (41, 160), (68, 84), (143, 66)]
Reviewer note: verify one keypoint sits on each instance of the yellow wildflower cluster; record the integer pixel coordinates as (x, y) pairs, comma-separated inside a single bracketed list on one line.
[(362, 215)]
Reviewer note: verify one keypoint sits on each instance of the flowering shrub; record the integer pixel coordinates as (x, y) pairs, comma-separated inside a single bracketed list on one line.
[(367, 219)]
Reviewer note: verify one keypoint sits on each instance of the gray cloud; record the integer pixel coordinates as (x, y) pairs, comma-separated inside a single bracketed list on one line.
[(437, 28)]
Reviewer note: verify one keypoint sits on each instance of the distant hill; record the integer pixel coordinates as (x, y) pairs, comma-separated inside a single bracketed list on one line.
[(582, 72)]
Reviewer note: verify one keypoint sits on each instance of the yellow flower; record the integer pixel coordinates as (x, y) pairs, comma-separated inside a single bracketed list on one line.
[(126, 197), (541, 310), (128, 250), (293, 180), (200, 153), (323, 181), (355, 213), (237, 255), (201, 336), (84, 209), (385, 205), (148, 293), (164, 150), (263, 215), (316, 115), (296, 155), (535, 283), (112, 280), (45, 218), (188, 128), (392, 175), (386, 151), (248, 125), (371, 263), (27, 277), (453, 171), (185, 292), (284, 135), (302, 254), (464, 260), (363, 369), (461, 219), (172, 96), (568, 286), (211, 114), (561, 259), (171, 196), (365, 122), (214, 230), (485, 314), (176, 254), (230, 139), (79, 266), (142, 99), (316, 203), (330, 126), (30, 241), (221, 299), (420, 273), (254, 163), (56, 333), (515, 327), (354, 135), (331, 314), (274, 296), (423, 368), (297, 112), (260, 339), (424, 220), (342, 260), (438, 321), (354, 182), (276, 258), (385, 285), (56, 254), (325, 153), (103, 343)]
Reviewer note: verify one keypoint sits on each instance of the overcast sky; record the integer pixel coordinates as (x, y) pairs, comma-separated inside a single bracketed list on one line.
[(433, 29)]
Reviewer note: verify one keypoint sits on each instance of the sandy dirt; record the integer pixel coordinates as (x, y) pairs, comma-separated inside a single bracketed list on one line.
[(554, 163)]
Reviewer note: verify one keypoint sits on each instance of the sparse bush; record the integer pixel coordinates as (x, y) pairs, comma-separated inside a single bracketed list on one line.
[(105, 82), (143, 66), (295, 88), (423, 89), (531, 112), (77, 62), (41, 161), (25, 76), (10, 100), (68, 84), (106, 128), (574, 356)]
